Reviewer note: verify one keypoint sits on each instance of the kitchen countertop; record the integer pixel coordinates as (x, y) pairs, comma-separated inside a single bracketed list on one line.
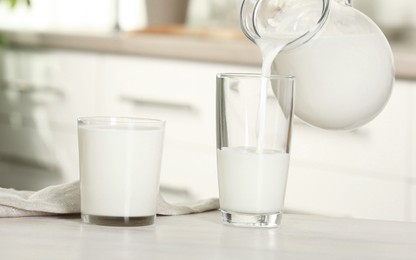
[(203, 236), (200, 45), (211, 45)]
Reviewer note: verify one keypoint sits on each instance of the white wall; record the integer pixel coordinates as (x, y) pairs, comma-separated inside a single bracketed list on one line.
[(389, 14), (100, 15), (79, 15)]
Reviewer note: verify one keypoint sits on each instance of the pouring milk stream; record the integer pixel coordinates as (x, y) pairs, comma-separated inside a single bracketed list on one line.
[(259, 25)]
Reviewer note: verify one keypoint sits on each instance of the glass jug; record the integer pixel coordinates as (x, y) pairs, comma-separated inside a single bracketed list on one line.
[(342, 62)]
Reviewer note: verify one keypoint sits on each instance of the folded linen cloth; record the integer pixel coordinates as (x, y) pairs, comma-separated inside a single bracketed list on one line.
[(65, 199)]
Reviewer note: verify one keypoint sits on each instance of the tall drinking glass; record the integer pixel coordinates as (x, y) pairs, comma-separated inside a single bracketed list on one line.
[(254, 124)]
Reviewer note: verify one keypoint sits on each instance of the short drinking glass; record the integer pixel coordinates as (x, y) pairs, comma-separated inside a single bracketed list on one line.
[(120, 160)]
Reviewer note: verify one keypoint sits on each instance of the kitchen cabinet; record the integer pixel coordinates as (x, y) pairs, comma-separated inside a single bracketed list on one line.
[(376, 149), (363, 173), (366, 173), (346, 194), (41, 94), (411, 177), (183, 94)]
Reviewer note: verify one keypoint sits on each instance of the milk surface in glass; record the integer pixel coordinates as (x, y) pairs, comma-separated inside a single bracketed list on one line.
[(120, 170), (252, 182)]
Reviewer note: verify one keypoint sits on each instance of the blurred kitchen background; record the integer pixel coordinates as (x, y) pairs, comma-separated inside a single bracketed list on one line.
[(62, 59)]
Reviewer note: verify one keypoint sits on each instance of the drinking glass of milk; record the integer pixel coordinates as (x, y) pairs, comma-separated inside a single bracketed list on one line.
[(120, 160), (254, 124)]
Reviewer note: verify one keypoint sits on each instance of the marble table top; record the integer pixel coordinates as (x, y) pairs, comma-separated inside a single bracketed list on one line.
[(203, 236)]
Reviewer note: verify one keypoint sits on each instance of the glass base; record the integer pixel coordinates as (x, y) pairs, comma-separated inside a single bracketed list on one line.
[(118, 221), (252, 220)]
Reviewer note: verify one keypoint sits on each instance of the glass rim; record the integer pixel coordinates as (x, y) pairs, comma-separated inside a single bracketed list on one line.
[(255, 75), (114, 120)]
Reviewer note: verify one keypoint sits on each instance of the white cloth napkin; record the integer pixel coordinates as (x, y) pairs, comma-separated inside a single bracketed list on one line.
[(65, 199)]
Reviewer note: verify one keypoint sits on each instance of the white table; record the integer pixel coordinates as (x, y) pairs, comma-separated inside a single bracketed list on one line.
[(203, 236)]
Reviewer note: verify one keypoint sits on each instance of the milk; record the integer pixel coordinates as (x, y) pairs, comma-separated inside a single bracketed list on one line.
[(269, 50), (342, 81), (252, 182), (120, 168)]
